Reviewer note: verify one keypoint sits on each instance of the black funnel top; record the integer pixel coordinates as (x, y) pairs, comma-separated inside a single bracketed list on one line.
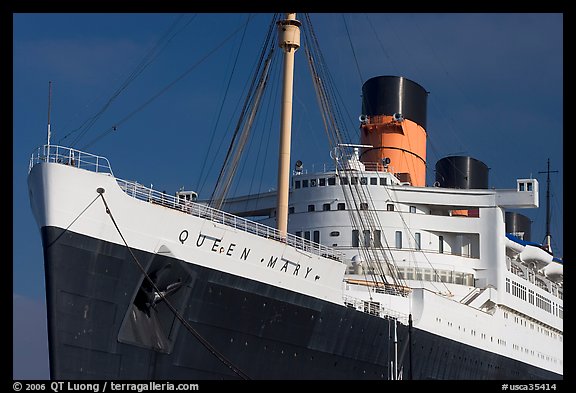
[(387, 95)]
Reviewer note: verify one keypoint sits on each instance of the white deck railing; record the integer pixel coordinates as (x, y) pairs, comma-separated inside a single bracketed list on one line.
[(69, 156), (78, 159)]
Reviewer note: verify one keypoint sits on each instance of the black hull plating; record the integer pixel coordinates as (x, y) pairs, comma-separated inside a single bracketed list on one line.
[(101, 326)]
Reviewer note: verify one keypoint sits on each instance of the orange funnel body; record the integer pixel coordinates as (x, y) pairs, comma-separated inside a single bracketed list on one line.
[(394, 124), (402, 142)]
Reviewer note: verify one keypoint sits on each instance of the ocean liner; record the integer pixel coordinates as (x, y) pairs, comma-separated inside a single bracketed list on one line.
[(358, 271)]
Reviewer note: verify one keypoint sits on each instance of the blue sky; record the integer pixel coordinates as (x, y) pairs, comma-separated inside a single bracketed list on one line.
[(495, 83)]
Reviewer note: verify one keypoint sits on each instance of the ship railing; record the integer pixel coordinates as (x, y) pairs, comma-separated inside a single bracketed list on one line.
[(331, 167), (68, 156), (143, 193), (374, 308)]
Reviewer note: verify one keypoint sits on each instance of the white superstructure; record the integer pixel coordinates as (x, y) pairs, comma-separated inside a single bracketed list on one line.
[(468, 281)]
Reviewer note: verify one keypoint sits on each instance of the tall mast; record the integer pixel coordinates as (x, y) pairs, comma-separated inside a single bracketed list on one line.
[(289, 41), (548, 236)]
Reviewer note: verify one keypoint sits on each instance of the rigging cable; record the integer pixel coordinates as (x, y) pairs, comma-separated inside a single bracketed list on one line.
[(167, 87), (357, 199), (353, 51), (243, 126), (223, 101), (177, 314), (144, 63)]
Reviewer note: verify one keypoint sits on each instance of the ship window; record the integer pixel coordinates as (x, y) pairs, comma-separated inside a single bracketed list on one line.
[(398, 239), (377, 238), (341, 206), (383, 181), (291, 210), (373, 181), (366, 235), (520, 186), (322, 182), (334, 233), (529, 186), (440, 244), (412, 209), (355, 238), (297, 184), (305, 183), (331, 181), (354, 180), (344, 181), (316, 236), (363, 206), (326, 207), (390, 207), (307, 235), (363, 181), (298, 233), (313, 182), (417, 239), (311, 208)]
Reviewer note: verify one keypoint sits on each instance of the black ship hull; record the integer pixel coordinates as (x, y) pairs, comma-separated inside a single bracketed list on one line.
[(104, 323)]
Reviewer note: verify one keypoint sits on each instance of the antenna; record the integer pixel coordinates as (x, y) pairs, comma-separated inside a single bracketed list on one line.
[(49, 110), (547, 237)]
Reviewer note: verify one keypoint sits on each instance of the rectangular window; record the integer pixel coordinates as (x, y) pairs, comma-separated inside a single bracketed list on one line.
[(297, 184), (366, 235), (417, 239), (331, 181), (412, 209), (363, 205), (377, 238), (305, 183), (326, 207), (291, 210), (383, 181), (529, 186), (373, 181), (354, 180), (341, 206), (316, 236), (322, 182), (441, 244), (398, 239), (355, 238), (344, 181), (390, 207), (311, 208), (307, 235), (298, 233)]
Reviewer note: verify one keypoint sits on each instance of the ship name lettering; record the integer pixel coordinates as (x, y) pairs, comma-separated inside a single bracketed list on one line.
[(215, 245), (230, 249), (296, 270), (272, 263), (245, 253), (198, 242), (308, 270)]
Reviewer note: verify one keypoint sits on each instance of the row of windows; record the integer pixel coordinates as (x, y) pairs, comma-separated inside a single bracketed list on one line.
[(342, 206), (331, 181), (520, 272), (501, 341), (436, 275), (372, 238), (539, 301), (523, 321)]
